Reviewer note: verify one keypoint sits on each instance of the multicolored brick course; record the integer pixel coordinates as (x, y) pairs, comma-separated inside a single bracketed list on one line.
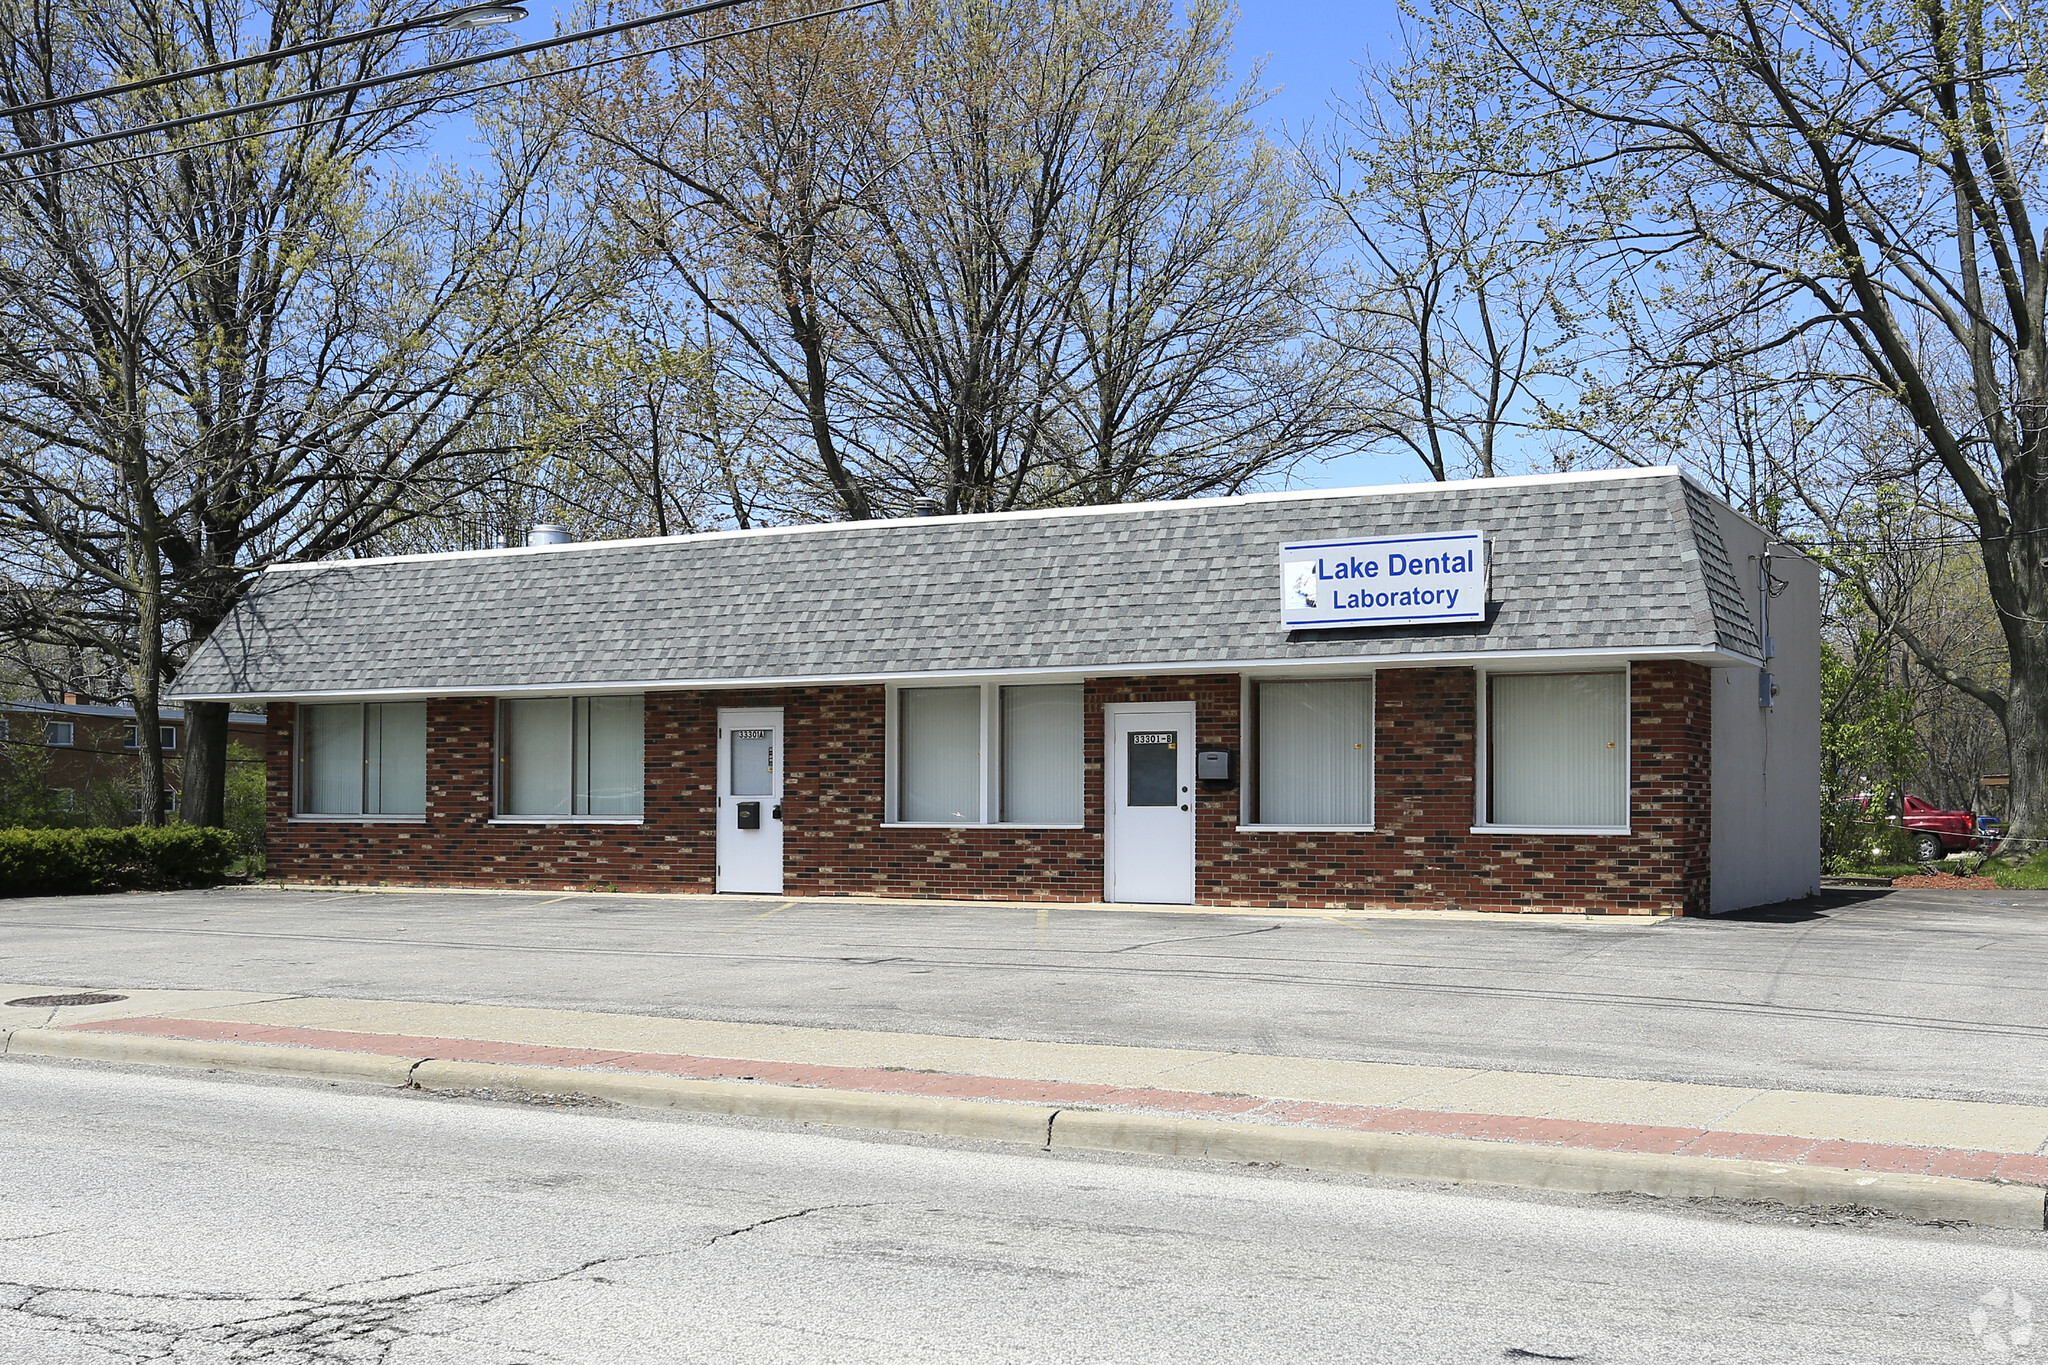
[(1422, 852)]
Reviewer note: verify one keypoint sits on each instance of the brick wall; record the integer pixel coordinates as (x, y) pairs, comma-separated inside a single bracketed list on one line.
[(1421, 854)]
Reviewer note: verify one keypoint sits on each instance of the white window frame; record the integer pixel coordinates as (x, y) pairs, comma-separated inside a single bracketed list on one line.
[(166, 737), (50, 729), (991, 779), (1484, 786), (1248, 753), (299, 817), (64, 798), (500, 731)]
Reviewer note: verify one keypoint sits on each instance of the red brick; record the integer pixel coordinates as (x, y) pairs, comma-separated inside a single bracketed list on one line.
[(1422, 853)]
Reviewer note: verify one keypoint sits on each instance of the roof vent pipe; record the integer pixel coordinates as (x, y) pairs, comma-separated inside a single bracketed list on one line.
[(547, 533)]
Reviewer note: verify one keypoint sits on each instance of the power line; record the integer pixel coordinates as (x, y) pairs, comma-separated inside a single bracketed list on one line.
[(276, 54), (452, 95), (1917, 542), (370, 83)]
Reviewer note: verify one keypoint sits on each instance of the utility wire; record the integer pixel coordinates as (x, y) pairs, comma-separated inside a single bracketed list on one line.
[(182, 149), (1910, 542), (370, 83), (15, 111)]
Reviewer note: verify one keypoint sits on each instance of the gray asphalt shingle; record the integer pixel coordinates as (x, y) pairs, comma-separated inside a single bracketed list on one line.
[(1610, 563)]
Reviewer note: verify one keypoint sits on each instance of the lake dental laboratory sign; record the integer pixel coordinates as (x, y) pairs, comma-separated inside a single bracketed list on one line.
[(1391, 580)]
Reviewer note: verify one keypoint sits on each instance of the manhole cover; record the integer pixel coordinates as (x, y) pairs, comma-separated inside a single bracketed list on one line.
[(36, 1002)]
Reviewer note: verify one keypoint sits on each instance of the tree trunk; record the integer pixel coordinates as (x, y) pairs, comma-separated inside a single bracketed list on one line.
[(206, 763), (149, 749), (2017, 566)]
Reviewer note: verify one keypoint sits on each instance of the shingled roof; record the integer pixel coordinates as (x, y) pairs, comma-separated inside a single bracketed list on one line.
[(1619, 563)]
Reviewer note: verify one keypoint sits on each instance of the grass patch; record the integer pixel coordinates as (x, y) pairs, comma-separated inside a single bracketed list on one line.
[(2014, 875)]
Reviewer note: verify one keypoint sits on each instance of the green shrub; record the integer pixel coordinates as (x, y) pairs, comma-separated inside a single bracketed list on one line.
[(243, 810), (1853, 840), (46, 861)]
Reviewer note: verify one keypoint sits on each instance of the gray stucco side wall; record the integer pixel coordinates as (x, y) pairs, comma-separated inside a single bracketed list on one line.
[(1765, 845)]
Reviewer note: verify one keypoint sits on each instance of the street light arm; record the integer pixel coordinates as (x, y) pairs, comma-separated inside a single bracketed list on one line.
[(371, 83), (15, 111)]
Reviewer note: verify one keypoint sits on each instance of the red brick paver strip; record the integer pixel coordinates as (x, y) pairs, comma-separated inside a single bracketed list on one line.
[(2015, 1167)]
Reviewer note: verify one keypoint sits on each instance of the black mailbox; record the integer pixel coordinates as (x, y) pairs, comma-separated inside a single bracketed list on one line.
[(750, 815)]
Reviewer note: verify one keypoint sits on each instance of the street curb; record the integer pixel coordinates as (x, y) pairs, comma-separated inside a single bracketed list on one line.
[(1403, 1156), (311, 1063), (1929, 1198), (934, 1116)]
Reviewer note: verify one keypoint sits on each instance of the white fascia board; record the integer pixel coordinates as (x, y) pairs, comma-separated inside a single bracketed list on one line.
[(1522, 660), (1394, 490)]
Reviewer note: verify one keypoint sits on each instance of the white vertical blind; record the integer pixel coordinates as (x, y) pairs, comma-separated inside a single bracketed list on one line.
[(574, 756), (537, 749), (395, 758), (1042, 754), (1315, 752), (609, 742), (1557, 749), (938, 759), (331, 760)]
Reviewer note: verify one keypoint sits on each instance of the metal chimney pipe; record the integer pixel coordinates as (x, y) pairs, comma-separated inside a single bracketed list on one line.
[(547, 533)]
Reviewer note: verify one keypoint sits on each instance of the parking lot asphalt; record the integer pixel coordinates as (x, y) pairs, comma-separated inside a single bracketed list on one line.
[(1941, 994)]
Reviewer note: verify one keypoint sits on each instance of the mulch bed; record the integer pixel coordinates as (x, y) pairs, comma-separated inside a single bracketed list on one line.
[(1947, 883)]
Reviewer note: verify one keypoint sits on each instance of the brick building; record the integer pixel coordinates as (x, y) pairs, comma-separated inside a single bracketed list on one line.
[(1591, 692), (88, 747)]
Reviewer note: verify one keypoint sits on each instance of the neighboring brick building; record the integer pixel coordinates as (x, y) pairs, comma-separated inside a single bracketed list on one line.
[(1104, 703), (90, 747)]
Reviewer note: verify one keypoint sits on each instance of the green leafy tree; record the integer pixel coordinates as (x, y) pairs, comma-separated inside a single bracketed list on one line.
[(1867, 744), (26, 798)]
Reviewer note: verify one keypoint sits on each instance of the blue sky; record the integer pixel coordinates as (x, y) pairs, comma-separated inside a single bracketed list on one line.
[(1310, 50)]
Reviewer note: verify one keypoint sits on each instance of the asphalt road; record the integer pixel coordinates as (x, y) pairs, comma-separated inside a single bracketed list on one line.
[(1936, 994), (203, 1219)]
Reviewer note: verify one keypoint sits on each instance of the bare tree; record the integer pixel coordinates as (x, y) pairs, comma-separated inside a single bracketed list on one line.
[(988, 256), (1866, 180), (729, 167), (1468, 303), (242, 349)]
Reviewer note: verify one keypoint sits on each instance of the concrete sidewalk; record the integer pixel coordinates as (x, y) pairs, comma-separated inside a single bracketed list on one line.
[(1923, 1157)]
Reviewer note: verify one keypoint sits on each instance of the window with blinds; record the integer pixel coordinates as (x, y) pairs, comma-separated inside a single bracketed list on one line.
[(363, 759), (1027, 772), (571, 757), (1042, 754), (938, 755), (1315, 752), (1557, 750)]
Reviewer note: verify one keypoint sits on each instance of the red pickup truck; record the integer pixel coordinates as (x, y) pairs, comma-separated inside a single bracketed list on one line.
[(1938, 833)]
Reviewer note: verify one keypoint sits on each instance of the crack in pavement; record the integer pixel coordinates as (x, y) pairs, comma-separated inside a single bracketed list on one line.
[(1195, 938), (783, 1218), (335, 1323), (313, 1326)]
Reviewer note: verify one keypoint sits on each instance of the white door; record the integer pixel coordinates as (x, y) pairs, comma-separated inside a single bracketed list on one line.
[(1151, 803), (750, 801)]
